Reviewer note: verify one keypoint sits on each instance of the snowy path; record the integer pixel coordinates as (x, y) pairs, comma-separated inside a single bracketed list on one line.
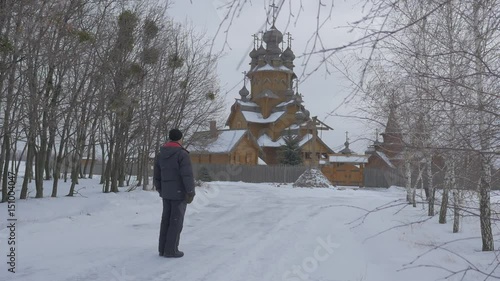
[(236, 231)]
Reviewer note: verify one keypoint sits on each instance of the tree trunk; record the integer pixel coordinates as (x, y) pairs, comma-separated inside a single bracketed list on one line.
[(430, 186), (5, 177), (484, 205), (28, 169), (456, 210), (93, 160), (408, 180), (444, 201), (485, 175)]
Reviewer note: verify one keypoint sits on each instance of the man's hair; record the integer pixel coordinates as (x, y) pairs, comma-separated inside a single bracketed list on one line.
[(174, 135)]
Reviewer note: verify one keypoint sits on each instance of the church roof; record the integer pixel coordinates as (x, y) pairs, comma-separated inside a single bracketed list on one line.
[(267, 94), (225, 142), (268, 67), (266, 141), (247, 103), (385, 158), (285, 103), (257, 117), (348, 159)]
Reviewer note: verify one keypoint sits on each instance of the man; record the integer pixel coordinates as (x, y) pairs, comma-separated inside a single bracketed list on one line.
[(173, 179)]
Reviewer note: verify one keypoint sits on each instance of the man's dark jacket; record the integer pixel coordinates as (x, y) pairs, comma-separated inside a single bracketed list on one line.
[(173, 174)]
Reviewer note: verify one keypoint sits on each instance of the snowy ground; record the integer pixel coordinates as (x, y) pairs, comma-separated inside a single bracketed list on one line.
[(239, 231)]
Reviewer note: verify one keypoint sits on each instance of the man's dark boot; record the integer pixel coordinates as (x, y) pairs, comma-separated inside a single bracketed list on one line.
[(178, 254)]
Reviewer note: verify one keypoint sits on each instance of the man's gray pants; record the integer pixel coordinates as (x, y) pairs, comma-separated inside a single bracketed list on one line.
[(172, 220)]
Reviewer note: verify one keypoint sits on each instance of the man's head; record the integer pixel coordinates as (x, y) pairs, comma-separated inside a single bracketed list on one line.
[(175, 135)]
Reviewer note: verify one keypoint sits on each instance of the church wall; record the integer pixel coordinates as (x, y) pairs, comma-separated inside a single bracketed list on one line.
[(238, 121), (271, 155), (274, 81), (246, 153)]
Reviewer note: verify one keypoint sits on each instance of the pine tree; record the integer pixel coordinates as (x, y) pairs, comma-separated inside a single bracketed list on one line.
[(290, 152), (204, 174)]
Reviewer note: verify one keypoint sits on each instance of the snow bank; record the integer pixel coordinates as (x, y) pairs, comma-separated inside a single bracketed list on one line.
[(312, 178)]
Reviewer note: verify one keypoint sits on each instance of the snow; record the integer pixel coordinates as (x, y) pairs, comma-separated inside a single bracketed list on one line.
[(266, 141), (224, 143), (312, 178), (385, 158), (348, 159), (241, 231), (293, 127), (247, 103), (268, 67), (285, 103), (256, 117), (305, 139)]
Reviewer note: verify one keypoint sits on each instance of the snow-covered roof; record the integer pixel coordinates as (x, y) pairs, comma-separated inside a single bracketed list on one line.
[(247, 103), (285, 103), (267, 94), (266, 141), (256, 117), (224, 143), (293, 127), (261, 162), (305, 139), (268, 67), (348, 159), (385, 158)]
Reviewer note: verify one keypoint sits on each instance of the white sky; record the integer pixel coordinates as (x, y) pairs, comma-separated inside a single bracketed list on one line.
[(323, 93)]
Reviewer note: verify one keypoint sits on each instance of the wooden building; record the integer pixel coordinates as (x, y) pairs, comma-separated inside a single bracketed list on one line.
[(388, 154), (224, 147), (345, 168), (270, 110)]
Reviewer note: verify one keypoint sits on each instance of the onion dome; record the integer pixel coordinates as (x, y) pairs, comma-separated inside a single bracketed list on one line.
[(288, 55), (244, 93), (346, 150), (307, 113), (273, 36), (300, 116), (254, 54), (298, 98), (261, 51)]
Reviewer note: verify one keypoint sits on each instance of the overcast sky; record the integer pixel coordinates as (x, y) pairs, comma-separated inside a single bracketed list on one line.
[(323, 93)]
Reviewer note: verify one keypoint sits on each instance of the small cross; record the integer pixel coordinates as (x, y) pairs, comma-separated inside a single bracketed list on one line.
[(346, 136), (244, 78), (274, 12), (261, 37), (289, 39), (255, 40)]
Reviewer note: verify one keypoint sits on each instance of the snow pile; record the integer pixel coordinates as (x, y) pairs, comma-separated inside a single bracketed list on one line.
[(312, 178)]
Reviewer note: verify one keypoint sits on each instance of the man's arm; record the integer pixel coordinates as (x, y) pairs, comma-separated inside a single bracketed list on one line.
[(186, 171), (157, 175)]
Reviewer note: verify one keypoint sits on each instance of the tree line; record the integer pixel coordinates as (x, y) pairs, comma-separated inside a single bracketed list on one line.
[(435, 65), (103, 80)]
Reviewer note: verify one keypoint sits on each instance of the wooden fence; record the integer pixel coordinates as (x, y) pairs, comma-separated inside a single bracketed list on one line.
[(246, 173), (278, 174)]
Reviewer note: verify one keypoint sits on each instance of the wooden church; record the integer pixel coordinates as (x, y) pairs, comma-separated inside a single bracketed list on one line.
[(265, 114)]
